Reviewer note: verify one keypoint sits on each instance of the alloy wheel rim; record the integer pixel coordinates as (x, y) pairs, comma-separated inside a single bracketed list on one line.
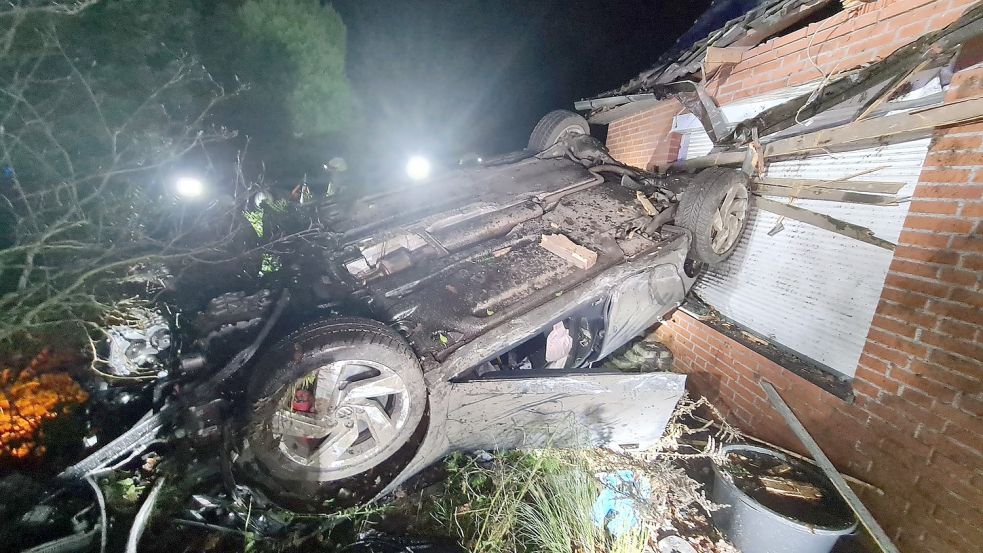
[(343, 416), (729, 219)]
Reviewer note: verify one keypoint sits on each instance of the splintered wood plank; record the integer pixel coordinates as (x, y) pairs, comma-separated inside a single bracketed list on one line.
[(791, 488), (826, 194), (575, 254), (831, 224), (889, 129), (882, 131), (877, 187)]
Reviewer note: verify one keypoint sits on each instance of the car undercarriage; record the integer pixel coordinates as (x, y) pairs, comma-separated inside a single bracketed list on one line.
[(472, 310)]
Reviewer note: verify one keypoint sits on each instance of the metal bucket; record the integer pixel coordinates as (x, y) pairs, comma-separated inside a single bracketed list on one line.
[(755, 528)]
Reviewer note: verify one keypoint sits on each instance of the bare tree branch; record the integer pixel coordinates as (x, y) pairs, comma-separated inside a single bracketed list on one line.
[(81, 182)]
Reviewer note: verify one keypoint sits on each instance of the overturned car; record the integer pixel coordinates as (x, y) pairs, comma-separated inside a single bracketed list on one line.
[(467, 311)]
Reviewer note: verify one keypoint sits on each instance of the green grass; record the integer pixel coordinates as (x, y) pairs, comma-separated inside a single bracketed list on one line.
[(542, 501), (556, 517), (523, 502)]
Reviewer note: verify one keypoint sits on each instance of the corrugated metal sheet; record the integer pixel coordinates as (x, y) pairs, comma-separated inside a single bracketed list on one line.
[(809, 289), (695, 144)]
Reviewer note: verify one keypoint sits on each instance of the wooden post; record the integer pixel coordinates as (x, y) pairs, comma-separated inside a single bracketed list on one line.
[(857, 506)]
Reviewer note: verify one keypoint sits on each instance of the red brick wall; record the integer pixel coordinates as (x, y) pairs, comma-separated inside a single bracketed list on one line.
[(915, 428), (644, 139), (844, 41)]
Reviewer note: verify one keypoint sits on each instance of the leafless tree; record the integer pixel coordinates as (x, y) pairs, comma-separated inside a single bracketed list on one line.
[(80, 196), (13, 13)]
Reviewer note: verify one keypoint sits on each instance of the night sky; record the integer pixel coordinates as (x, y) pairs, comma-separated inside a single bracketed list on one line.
[(448, 77)]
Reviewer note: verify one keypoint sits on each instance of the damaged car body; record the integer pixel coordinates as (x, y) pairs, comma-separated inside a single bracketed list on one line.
[(464, 312)]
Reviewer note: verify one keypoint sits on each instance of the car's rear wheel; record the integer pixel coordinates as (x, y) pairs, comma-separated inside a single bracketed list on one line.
[(714, 207), (336, 410), (554, 126)]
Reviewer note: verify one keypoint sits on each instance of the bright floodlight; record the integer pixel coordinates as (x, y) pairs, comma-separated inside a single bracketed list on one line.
[(418, 168), (189, 187)]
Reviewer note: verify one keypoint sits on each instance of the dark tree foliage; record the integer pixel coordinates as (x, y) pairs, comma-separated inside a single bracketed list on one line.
[(286, 58), (291, 56), (103, 104)]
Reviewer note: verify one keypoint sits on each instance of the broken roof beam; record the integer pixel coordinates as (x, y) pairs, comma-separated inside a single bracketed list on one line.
[(700, 103), (877, 187), (823, 221), (747, 30), (892, 88), (902, 61), (889, 129), (825, 194)]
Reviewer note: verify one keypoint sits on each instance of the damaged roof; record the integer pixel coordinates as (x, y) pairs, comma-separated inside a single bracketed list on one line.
[(765, 20)]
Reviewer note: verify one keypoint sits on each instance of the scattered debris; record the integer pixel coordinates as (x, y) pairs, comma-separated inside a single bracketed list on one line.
[(81, 540), (752, 338), (791, 488), (616, 508), (646, 203), (377, 542), (823, 221), (675, 544), (565, 248), (142, 516)]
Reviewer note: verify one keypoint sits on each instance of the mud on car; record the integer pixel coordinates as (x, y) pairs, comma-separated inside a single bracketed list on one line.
[(439, 315)]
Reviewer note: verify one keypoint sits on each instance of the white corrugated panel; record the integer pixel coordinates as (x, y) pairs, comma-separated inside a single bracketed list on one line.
[(739, 111), (695, 144), (809, 289)]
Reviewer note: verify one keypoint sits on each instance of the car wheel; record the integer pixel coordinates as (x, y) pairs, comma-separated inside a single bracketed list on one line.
[(714, 207), (553, 126), (337, 411)]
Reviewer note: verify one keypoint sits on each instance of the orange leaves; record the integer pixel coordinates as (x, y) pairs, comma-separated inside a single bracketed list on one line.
[(27, 399)]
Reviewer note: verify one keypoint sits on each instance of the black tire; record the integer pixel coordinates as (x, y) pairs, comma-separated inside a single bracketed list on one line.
[(259, 461), (553, 125), (230, 322), (698, 205)]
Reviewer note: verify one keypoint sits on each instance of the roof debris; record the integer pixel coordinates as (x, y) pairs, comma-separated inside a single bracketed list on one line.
[(752, 28), (575, 254)]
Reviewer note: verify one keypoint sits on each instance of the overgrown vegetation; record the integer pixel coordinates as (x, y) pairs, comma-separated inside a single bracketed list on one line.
[(548, 500), (103, 104), (81, 185), (526, 501)]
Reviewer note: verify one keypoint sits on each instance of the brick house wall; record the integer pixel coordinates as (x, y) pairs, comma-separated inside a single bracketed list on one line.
[(914, 429), (844, 41)]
